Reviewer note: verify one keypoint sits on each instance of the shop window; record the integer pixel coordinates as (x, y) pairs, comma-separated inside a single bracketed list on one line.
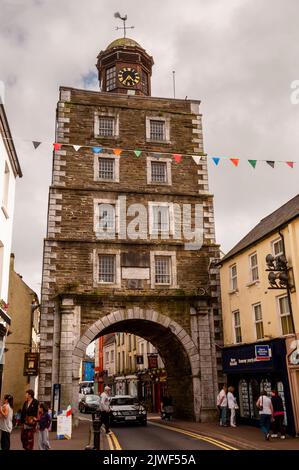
[(244, 399), (280, 390), (265, 386), (254, 393)]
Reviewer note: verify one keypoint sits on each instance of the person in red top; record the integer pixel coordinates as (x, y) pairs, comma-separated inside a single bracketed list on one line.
[(278, 415)]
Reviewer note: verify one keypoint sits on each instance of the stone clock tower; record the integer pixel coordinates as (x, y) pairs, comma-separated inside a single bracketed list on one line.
[(125, 67), (118, 151)]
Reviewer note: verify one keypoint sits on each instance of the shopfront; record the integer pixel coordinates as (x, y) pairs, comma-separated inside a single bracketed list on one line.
[(252, 368)]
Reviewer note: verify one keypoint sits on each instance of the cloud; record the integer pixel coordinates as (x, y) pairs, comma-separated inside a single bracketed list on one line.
[(239, 58)]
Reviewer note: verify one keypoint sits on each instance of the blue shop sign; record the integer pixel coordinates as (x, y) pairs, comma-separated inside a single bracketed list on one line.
[(263, 352)]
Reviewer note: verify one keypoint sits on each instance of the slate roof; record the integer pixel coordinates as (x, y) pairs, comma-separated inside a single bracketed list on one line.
[(268, 225)]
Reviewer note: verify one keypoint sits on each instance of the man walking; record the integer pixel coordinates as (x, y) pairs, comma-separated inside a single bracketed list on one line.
[(29, 420), (105, 408)]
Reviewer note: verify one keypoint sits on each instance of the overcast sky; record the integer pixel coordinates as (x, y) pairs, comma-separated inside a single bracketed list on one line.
[(238, 57)]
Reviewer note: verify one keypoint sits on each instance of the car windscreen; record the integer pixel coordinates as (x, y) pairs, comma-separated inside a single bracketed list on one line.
[(123, 401), (91, 398)]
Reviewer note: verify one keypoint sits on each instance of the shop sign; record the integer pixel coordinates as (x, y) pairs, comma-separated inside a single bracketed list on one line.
[(139, 359), (263, 352), (152, 361), (31, 363)]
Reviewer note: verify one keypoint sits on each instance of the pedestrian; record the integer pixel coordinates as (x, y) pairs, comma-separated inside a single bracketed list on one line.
[(278, 415), (265, 408), (105, 408), (232, 406), (44, 422), (29, 418), (6, 417), (222, 405)]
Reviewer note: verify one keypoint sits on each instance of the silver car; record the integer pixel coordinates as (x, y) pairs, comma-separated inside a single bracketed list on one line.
[(127, 409)]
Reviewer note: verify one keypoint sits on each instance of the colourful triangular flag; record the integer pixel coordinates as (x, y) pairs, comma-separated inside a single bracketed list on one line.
[(57, 146), (196, 158), (177, 157), (77, 147), (137, 153), (117, 151), (36, 144), (235, 161), (290, 164), (252, 163), (97, 149), (271, 163), (216, 160), (68, 411)]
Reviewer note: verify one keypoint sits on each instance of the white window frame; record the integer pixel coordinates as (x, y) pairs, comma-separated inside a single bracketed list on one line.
[(173, 266), (96, 254), (236, 326), (169, 205), (273, 243), (96, 218), (257, 304), (251, 268), (166, 160), (232, 278), (107, 114), (166, 120), (280, 316), (116, 159)]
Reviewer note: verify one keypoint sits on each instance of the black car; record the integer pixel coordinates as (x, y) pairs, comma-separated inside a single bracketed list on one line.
[(89, 403), (127, 409)]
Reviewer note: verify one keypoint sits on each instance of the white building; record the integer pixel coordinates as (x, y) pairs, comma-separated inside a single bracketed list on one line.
[(9, 171)]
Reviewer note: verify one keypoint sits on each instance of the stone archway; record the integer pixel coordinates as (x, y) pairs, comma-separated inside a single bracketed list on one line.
[(176, 347)]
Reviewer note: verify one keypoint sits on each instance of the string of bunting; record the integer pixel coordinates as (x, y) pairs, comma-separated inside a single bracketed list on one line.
[(177, 157)]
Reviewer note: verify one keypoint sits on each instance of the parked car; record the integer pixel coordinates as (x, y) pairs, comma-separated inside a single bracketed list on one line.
[(127, 409), (89, 403)]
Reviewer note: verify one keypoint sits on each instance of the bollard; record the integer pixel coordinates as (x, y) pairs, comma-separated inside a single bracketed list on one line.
[(97, 423)]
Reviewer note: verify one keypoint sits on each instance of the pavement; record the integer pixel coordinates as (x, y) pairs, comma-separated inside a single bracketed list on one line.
[(241, 437)]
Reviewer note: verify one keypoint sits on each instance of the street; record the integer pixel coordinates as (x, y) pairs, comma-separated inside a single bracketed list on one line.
[(156, 436)]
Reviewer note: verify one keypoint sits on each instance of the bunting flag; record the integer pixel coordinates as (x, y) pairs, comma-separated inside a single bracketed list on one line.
[(252, 163), (57, 146), (96, 149), (196, 158), (235, 161), (36, 144), (137, 153), (271, 163), (177, 157), (68, 411), (77, 147), (216, 160), (290, 164), (117, 151)]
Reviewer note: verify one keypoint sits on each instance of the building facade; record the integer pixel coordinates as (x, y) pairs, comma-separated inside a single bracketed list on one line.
[(260, 305), (9, 171), (123, 175), (20, 371)]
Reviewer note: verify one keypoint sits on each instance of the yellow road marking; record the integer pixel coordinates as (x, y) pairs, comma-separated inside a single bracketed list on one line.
[(199, 437), (113, 442), (111, 447)]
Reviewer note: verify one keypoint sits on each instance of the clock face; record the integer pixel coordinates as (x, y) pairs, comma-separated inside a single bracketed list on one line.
[(128, 76)]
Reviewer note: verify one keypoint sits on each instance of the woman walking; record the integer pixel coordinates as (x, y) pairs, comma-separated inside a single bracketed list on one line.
[(44, 422), (29, 420), (278, 413), (265, 408), (232, 406), (6, 416)]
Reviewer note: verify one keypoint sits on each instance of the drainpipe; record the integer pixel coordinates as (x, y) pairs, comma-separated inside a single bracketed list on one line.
[(288, 289)]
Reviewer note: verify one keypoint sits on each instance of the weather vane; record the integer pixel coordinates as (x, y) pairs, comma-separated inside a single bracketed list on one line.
[(124, 19)]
